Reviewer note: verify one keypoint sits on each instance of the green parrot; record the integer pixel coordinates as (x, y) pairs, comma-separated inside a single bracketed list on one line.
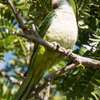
[(59, 25)]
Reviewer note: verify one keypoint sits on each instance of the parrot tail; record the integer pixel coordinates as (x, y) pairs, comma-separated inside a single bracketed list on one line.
[(27, 86), (41, 61)]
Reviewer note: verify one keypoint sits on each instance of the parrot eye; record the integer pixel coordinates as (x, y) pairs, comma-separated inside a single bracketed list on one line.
[(54, 4)]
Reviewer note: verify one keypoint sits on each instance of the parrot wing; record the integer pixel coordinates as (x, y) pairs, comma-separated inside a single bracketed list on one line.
[(42, 30)]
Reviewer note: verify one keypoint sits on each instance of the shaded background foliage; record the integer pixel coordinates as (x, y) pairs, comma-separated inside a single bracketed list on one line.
[(79, 84)]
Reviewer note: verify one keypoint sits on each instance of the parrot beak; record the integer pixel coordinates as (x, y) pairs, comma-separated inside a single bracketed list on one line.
[(54, 3)]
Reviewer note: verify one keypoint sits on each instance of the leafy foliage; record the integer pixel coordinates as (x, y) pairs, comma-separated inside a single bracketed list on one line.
[(79, 84)]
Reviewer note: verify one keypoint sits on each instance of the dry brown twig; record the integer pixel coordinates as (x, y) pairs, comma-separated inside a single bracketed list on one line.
[(12, 79), (38, 40)]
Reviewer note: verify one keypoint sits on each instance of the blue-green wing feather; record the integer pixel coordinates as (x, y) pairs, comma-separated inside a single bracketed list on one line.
[(46, 23), (43, 28)]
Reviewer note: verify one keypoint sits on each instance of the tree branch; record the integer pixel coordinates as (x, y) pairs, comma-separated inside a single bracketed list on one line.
[(83, 60), (19, 20), (50, 78), (47, 90)]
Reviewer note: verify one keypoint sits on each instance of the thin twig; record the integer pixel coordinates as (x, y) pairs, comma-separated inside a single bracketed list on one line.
[(47, 89), (19, 20), (39, 96), (37, 90), (34, 30), (70, 67), (12, 79)]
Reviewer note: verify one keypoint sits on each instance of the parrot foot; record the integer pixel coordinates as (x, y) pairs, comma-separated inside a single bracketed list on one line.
[(56, 45), (69, 52)]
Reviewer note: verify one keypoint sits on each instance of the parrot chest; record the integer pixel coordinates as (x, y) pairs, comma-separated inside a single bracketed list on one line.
[(63, 30)]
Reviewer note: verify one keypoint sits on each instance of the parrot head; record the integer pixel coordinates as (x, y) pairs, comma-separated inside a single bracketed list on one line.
[(61, 3)]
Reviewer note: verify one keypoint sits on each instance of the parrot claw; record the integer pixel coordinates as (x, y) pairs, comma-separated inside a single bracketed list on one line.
[(56, 45), (69, 52)]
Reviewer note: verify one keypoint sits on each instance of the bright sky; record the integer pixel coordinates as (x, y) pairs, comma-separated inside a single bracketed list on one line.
[(4, 62)]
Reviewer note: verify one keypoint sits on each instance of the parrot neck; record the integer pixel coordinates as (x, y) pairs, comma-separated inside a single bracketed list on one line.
[(65, 8)]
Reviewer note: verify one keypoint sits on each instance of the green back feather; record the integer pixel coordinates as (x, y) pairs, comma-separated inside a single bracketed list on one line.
[(72, 3), (46, 23)]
